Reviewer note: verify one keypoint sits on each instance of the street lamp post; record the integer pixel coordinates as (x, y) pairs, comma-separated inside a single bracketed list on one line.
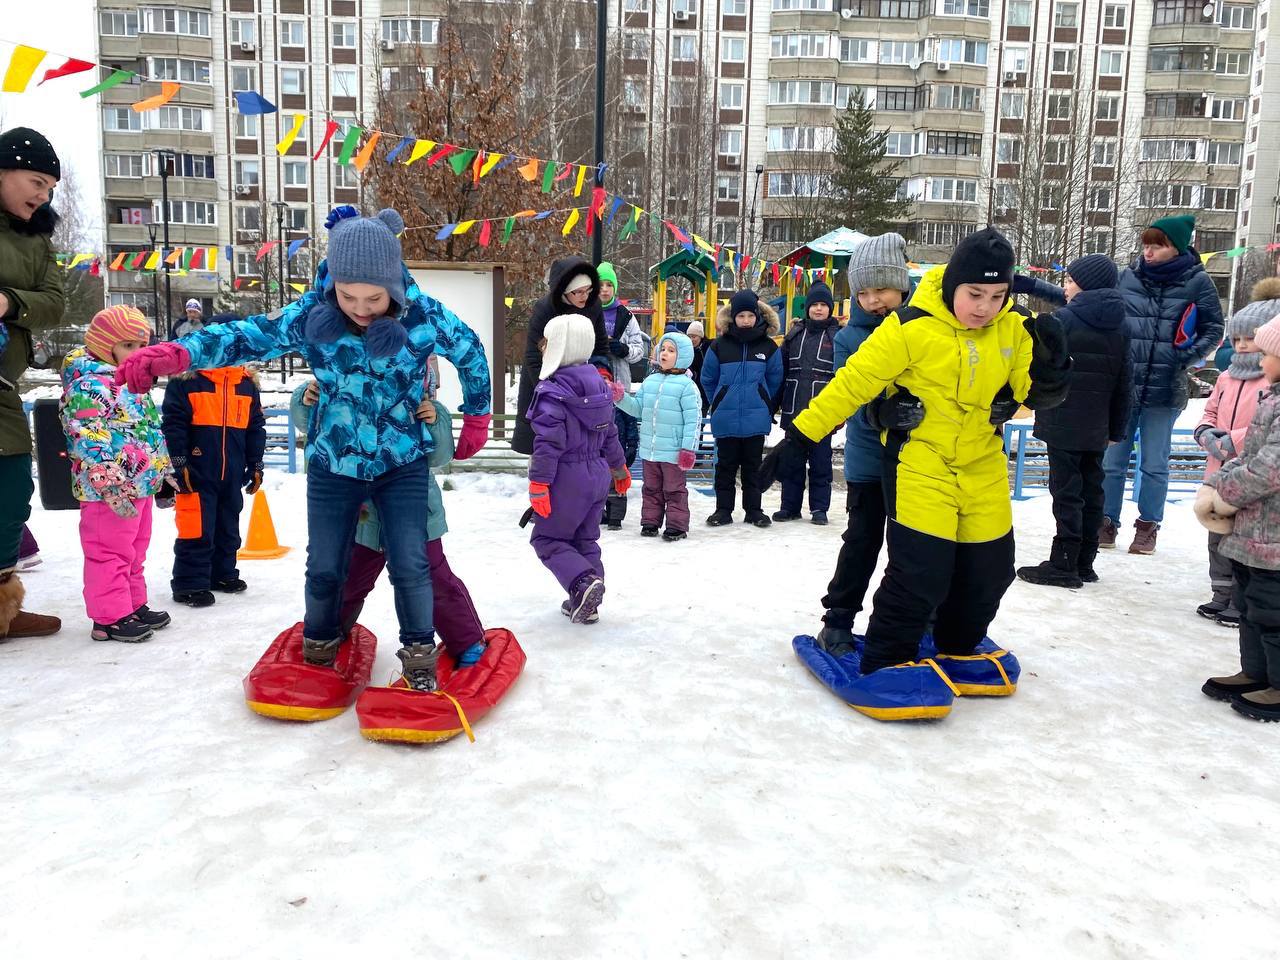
[(286, 364), (755, 191), (602, 39), (164, 156), (155, 292)]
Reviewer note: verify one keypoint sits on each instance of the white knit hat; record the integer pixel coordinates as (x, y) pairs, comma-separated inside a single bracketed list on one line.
[(695, 329), (570, 339), (577, 283)]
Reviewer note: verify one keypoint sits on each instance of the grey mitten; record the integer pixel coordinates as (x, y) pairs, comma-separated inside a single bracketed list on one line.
[(1217, 443)]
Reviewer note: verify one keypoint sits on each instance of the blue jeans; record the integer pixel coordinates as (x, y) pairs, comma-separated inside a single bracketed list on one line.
[(1154, 427), (333, 508)]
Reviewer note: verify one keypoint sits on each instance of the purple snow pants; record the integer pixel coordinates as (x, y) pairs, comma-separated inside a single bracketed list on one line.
[(568, 541), (664, 491), (456, 620)]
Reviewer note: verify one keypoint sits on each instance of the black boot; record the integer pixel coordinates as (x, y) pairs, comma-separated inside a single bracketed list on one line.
[(758, 518), (155, 619), (231, 586), (720, 518), (418, 664), (321, 653), (194, 598), (125, 630), (1060, 570), (1084, 565), (648, 530), (836, 636)]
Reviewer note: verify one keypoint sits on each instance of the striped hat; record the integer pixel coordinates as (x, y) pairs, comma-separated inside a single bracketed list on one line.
[(115, 325)]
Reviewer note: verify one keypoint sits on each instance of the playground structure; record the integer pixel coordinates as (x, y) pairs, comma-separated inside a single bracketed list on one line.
[(702, 274)]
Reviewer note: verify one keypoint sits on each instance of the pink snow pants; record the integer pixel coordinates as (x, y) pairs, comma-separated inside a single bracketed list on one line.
[(114, 551)]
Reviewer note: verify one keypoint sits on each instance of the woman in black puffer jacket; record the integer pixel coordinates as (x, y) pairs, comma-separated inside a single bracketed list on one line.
[(566, 293), (1174, 320)]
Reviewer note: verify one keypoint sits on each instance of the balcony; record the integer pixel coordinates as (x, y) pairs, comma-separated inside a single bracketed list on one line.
[(1182, 81), (1204, 34)]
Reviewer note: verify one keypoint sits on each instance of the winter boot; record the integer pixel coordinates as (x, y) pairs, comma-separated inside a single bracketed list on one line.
[(231, 586), (1107, 534), (615, 511), (670, 535), (567, 609), (471, 656), (836, 636), (16, 623), (1226, 688), (1084, 565), (818, 517), (1229, 617), (1211, 609), (1144, 537), (321, 653), (1059, 570), (194, 598), (418, 664), (758, 518), (1261, 705), (720, 518), (781, 516), (126, 630), (155, 619), (585, 597), (648, 530)]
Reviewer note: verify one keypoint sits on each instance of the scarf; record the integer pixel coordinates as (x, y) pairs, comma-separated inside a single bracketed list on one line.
[(1245, 366), (1169, 272)]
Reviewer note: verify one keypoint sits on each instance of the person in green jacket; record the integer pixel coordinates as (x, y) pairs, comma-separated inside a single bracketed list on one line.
[(454, 613), (31, 299)]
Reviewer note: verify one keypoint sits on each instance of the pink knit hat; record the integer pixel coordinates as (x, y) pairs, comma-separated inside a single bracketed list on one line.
[(115, 325), (1268, 337)]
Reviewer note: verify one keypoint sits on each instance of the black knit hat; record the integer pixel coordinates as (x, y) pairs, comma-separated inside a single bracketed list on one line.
[(982, 257), (1094, 272), (744, 300), (22, 148), (819, 293)]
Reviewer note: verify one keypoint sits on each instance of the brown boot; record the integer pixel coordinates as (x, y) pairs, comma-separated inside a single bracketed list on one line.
[(15, 623), (1107, 534), (1225, 688), (1144, 537), (1262, 705)]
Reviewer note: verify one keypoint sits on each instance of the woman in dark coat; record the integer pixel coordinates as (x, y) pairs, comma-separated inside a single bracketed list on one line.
[(566, 293), (31, 300), (1174, 320)]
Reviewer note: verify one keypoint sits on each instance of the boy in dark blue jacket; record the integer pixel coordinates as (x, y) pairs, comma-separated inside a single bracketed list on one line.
[(216, 433), (742, 374)]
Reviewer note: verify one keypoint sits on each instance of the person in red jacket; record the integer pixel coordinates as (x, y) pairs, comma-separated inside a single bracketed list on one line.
[(213, 424)]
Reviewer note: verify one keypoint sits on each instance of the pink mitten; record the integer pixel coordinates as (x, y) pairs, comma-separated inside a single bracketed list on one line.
[(141, 368), (616, 390), (685, 459), (474, 435)]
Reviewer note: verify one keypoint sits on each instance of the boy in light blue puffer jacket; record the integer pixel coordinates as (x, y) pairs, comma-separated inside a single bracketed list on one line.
[(669, 408)]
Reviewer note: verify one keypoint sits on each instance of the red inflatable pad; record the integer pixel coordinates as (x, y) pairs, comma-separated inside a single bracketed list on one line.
[(409, 716), (283, 685)]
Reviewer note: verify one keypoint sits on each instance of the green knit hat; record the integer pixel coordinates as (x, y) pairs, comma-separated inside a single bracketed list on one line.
[(608, 274), (1178, 229)]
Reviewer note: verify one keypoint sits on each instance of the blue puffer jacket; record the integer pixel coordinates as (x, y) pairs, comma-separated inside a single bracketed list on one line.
[(863, 451), (365, 423), (669, 407), (742, 376), (1156, 298)]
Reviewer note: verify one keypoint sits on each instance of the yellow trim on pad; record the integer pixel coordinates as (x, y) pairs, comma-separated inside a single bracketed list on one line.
[(984, 690), (406, 735), (279, 711), (904, 713)]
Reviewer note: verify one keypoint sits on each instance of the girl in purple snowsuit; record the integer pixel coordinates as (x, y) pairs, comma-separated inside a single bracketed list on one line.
[(576, 455)]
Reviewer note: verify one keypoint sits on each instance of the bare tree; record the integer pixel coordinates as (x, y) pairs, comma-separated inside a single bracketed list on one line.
[(84, 290)]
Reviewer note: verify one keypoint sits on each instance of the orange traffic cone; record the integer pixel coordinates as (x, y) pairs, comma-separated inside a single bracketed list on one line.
[(261, 543)]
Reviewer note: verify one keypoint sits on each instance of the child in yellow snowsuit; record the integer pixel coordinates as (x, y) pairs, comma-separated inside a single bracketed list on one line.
[(963, 352)]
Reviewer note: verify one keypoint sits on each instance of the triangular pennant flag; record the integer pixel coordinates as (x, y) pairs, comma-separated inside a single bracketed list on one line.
[(627, 230), (117, 78), (617, 202), (476, 163), (463, 226), (235, 285), (287, 141), (509, 301), (78, 259), (530, 170), (490, 162), (137, 262), (507, 228), (460, 161), (275, 285), (362, 158), (294, 247), (703, 244), (446, 231), (1236, 252), (570, 222), (349, 145), (198, 258), (1206, 257), (22, 65), (548, 177), (420, 149), (543, 215), (118, 262), (300, 287), (596, 209), (330, 128), (440, 154), (211, 258), (248, 103), (582, 178), (71, 66), (265, 249), (565, 170), (173, 258), (153, 261), (168, 90), (485, 233), (95, 268), (254, 283), (395, 152), (188, 253)]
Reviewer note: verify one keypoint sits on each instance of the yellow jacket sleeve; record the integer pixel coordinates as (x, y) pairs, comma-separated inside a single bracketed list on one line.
[(1020, 370), (875, 365)]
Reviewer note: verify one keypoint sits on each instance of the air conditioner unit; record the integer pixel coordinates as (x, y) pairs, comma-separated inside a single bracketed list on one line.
[(733, 161), (944, 67), (388, 44), (247, 46), (1010, 76), (242, 191), (680, 16)]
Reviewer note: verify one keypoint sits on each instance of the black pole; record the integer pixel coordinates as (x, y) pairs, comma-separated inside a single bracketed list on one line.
[(755, 192), (284, 363), (155, 289), (602, 39), (164, 155)]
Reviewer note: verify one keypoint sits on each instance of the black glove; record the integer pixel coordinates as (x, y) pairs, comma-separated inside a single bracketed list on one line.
[(1003, 406), (1023, 284), (618, 349), (182, 476), (794, 444), (1050, 362), (252, 478), (902, 411)]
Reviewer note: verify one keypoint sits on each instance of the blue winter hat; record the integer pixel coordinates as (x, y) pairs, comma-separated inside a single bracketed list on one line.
[(819, 293), (1094, 271), (684, 349), (744, 300)]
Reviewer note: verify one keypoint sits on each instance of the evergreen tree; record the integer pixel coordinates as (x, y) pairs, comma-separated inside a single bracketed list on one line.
[(864, 184)]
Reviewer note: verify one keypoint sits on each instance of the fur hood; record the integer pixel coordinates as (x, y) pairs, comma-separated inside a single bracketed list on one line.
[(767, 313), (42, 223)]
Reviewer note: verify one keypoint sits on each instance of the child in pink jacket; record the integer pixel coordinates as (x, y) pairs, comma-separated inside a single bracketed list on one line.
[(1227, 416)]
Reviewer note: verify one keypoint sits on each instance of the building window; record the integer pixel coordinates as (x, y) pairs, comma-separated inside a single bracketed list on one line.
[(1056, 152), (1108, 108), (880, 9), (900, 144), (1062, 61), (1169, 59), (1178, 11), (1115, 16), (410, 30), (345, 82), (1111, 63), (733, 8), (954, 144), (247, 173), (411, 78), (343, 34), (1016, 59), (635, 6), (344, 175), (120, 119), (246, 264), (1157, 196), (687, 7), (180, 69), (1099, 198), (856, 50), (190, 165), (949, 97), (181, 118), (635, 46), (187, 23), (784, 92), (799, 185), (293, 80), (1098, 241), (118, 23), (734, 49), (799, 45), (1166, 105), (899, 99), (966, 8), (195, 213), (127, 165), (728, 187), (732, 95), (1210, 241), (684, 48), (1066, 14), (242, 30), (295, 219), (244, 78), (1235, 16), (951, 189), (247, 126), (730, 143), (1232, 63), (933, 233), (1013, 106), (1059, 107), (801, 138), (1050, 194), (295, 173), (1228, 108), (293, 33), (899, 51), (1019, 13), (1221, 198), (1104, 153), (1006, 195), (1169, 149), (956, 50), (249, 218), (1225, 152), (1008, 150)]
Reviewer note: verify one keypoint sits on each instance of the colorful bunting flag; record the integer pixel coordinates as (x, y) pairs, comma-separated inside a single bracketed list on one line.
[(530, 170), (117, 78), (330, 128), (491, 161), (287, 141), (395, 152), (548, 177), (199, 257), (299, 287), (420, 149), (22, 65), (118, 262), (440, 154), (507, 228), (463, 226), (79, 258), (582, 178), (168, 90), (446, 231), (266, 248), (153, 260), (349, 145), (461, 160), (71, 66), (570, 222), (362, 158), (137, 262), (250, 103), (485, 233), (294, 247)]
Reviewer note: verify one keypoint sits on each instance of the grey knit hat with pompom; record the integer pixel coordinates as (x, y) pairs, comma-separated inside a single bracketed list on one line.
[(367, 250)]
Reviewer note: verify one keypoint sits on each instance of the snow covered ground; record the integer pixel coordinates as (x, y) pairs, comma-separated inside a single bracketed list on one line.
[(667, 783)]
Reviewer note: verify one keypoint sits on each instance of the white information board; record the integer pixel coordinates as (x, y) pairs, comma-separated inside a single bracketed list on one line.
[(476, 293)]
